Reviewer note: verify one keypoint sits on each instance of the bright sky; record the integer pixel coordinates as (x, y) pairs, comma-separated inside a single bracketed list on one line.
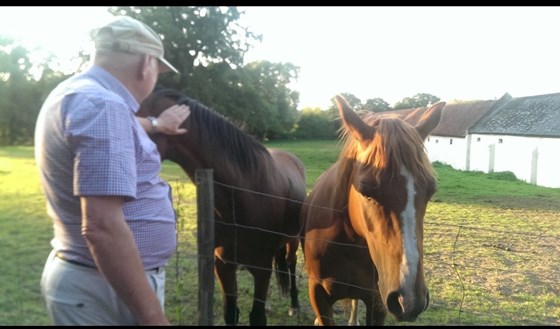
[(462, 53)]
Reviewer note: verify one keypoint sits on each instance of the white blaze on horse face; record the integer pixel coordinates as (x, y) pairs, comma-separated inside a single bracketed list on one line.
[(410, 258)]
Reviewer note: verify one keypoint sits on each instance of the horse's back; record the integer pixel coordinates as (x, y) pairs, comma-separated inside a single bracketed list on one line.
[(290, 163), (291, 180)]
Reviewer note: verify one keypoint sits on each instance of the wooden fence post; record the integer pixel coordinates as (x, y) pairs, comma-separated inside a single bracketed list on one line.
[(205, 242)]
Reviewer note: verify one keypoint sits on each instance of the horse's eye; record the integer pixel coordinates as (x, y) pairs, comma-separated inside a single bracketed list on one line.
[(368, 189)]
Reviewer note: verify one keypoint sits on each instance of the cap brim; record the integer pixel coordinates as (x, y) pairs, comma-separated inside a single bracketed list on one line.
[(167, 66)]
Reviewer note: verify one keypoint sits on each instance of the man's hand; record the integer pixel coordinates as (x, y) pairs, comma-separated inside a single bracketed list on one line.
[(170, 120)]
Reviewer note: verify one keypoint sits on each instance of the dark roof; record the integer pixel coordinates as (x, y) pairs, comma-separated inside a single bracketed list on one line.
[(524, 116), (456, 118)]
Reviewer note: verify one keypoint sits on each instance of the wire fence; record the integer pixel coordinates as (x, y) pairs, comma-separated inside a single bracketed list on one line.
[(481, 269)]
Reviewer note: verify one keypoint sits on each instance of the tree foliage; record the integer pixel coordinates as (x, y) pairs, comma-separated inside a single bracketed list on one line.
[(376, 105), (278, 104), (255, 97), (354, 102), (315, 123), (372, 104), (20, 94), (195, 36), (418, 100), (208, 45)]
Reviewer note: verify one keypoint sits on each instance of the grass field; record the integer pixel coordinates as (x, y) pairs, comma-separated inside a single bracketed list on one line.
[(492, 247)]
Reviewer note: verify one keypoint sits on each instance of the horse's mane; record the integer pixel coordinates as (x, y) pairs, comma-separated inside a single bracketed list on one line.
[(233, 144), (395, 143)]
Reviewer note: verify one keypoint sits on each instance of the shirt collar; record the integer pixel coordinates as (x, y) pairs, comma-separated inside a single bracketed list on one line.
[(108, 81)]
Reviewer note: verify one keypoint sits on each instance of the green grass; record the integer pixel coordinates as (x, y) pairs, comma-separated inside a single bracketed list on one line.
[(25, 232), (316, 155), (491, 249)]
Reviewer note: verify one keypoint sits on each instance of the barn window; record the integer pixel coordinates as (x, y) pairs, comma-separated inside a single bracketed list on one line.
[(500, 141), (478, 139), (437, 141), (450, 141)]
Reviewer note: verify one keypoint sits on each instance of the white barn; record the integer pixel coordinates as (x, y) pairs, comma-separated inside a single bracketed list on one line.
[(523, 137), (519, 135), (450, 142)]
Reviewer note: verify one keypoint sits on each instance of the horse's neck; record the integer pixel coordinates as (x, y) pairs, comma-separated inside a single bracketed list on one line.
[(195, 154)]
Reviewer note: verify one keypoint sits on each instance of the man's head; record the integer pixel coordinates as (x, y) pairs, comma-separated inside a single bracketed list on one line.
[(126, 34), (133, 53)]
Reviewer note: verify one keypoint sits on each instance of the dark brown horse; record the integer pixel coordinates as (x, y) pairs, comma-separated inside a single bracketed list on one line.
[(258, 194), (363, 219)]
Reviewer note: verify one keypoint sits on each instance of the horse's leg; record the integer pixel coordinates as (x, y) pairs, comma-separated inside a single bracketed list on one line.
[(291, 257), (261, 277), (227, 277), (322, 307), (353, 319), (375, 310)]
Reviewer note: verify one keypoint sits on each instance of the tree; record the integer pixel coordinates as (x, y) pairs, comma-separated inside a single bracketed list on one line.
[(269, 82), (418, 100), (255, 97), (332, 112), (195, 36), (207, 46), (205, 43), (354, 102), (19, 97), (376, 105), (314, 123)]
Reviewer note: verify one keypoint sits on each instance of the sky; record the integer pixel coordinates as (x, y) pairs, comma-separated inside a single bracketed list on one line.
[(453, 52)]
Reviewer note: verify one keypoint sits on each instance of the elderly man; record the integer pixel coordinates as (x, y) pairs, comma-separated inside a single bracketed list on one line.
[(113, 217)]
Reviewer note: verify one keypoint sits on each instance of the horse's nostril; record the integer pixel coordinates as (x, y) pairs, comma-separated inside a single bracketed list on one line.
[(393, 304), (407, 309)]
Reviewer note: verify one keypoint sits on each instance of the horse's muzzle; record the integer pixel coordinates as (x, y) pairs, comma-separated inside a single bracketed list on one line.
[(407, 308)]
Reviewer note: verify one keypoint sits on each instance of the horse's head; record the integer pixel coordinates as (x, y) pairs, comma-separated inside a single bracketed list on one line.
[(211, 141), (391, 183), (157, 102)]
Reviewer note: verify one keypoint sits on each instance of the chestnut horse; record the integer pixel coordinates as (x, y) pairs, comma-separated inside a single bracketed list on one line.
[(258, 194), (363, 219)]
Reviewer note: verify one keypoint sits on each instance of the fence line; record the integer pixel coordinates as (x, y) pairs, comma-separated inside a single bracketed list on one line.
[(457, 256)]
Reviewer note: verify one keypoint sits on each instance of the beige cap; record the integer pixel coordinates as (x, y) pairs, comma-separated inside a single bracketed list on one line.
[(130, 35)]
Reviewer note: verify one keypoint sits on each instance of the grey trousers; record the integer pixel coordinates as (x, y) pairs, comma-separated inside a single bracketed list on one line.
[(78, 295)]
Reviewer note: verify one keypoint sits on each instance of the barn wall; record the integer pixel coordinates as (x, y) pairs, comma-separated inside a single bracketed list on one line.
[(532, 159), (515, 154), (448, 150), (548, 162)]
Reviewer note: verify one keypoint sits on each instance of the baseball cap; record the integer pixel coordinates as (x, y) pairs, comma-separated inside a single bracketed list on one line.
[(127, 34)]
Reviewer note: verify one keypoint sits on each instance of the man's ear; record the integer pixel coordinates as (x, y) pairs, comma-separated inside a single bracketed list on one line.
[(144, 66)]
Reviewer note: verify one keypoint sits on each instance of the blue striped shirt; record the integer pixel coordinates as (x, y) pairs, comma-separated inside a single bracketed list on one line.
[(88, 142)]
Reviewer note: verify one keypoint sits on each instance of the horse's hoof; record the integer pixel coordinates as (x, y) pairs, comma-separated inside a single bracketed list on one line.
[(316, 322), (293, 311)]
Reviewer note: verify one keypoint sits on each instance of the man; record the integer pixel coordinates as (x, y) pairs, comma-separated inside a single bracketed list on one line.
[(113, 218)]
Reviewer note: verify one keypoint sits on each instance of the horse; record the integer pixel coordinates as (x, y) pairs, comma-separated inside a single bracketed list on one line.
[(258, 194), (362, 233)]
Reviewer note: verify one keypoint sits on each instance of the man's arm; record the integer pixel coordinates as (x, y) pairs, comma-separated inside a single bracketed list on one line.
[(114, 250)]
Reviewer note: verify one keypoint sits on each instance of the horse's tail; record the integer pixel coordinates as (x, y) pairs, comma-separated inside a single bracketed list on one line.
[(281, 269)]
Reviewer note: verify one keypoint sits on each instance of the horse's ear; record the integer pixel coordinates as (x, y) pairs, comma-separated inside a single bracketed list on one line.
[(361, 130), (429, 120)]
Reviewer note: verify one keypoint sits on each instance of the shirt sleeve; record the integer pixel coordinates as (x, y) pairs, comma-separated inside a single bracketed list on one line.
[(101, 136)]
